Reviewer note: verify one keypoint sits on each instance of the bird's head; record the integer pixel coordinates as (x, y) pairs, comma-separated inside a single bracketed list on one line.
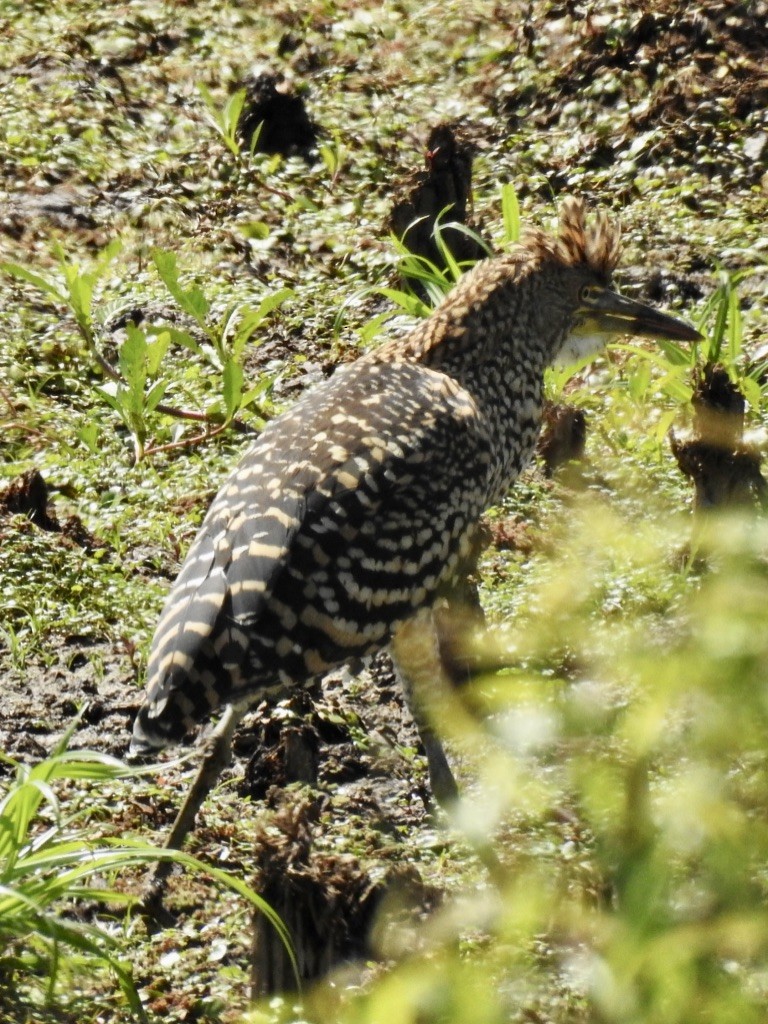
[(583, 256)]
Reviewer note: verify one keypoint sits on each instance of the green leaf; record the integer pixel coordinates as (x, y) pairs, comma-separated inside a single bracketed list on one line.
[(721, 299), (224, 120), (752, 391), (675, 354), (191, 300), (232, 387), (155, 395), (233, 108), (81, 298), (253, 318), (176, 336), (156, 351), (372, 328), (639, 380), (254, 140), (454, 270), (734, 325), (112, 392), (133, 359), (676, 389), (253, 394), (407, 301), (666, 419), (89, 435), (510, 212), (42, 283), (106, 257), (258, 229)]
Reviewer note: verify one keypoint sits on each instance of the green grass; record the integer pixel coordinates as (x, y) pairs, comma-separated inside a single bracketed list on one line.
[(54, 865)]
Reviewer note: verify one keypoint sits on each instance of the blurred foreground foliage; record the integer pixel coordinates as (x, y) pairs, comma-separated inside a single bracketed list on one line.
[(622, 782)]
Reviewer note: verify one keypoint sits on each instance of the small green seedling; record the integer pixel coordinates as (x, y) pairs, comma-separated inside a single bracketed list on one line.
[(139, 361), (334, 155), (76, 292), (137, 385), (225, 119)]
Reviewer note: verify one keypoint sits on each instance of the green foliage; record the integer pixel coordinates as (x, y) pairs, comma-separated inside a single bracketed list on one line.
[(334, 155), (227, 338), (45, 864), (510, 212), (557, 378), (136, 388), (51, 865), (433, 282), (620, 777), (139, 362), (676, 366), (75, 291), (226, 119), (724, 341), (238, 324), (425, 284), (628, 866)]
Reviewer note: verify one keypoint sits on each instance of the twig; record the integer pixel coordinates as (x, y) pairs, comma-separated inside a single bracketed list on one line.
[(183, 414), (186, 442)]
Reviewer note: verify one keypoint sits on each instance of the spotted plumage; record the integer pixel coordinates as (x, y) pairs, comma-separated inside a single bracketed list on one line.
[(321, 541), (358, 507)]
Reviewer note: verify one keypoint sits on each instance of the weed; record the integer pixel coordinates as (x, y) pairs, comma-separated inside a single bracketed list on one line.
[(510, 213), (136, 387), (720, 323), (49, 864), (334, 155), (76, 293), (226, 119)]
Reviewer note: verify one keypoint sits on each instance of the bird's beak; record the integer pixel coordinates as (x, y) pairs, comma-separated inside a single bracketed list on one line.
[(611, 313)]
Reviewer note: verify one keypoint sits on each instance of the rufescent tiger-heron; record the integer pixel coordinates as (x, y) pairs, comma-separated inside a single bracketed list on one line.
[(356, 509)]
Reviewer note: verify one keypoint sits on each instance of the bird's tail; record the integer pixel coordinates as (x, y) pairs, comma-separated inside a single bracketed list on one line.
[(149, 735)]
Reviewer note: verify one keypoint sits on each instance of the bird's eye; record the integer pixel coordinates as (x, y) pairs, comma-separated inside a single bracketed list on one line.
[(586, 293)]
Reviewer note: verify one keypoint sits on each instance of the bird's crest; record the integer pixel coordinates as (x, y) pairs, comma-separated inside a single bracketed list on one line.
[(595, 243)]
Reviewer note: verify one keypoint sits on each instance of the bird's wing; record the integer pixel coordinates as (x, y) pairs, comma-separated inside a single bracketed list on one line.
[(228, 571), (347, 513), (389, 523)]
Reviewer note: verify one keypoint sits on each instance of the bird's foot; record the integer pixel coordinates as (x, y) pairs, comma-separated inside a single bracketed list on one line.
[(151, 906)]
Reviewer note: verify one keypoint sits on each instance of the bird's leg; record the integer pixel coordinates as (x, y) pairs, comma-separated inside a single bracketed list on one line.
[(217, 755), (416, 656), (459, 625), (418, 650)]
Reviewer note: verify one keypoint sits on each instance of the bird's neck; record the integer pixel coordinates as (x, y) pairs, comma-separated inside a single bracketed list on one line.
[(503, 372), (507, 388), (495, 337)]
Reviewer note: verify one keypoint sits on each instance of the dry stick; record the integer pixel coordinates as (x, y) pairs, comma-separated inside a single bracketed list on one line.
[(167, 410), (183, 414), (186, 442), (277, 192), (7, 399)]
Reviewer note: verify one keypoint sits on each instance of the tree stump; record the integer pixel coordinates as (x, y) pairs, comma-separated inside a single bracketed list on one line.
[(725, 471), (327, 902)]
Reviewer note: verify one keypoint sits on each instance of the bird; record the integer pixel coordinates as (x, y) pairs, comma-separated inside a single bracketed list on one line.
[(357, 511)]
